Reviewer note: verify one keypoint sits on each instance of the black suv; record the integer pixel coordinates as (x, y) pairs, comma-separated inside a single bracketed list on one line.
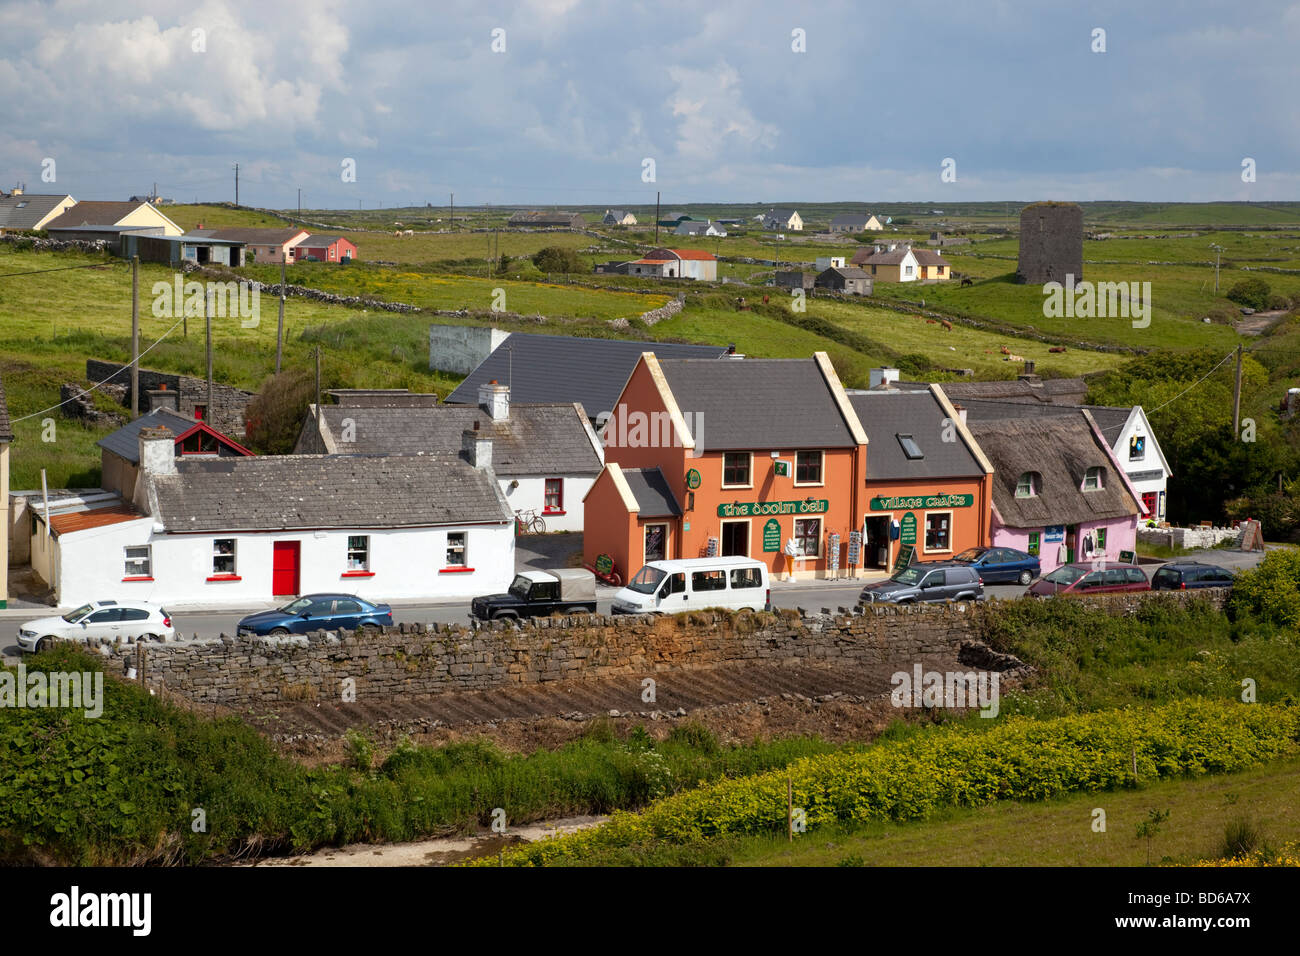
[(926, 582), (1187, 575)]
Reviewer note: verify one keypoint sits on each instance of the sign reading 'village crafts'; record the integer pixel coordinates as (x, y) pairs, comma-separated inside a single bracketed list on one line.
[(902, 502), (748, 508)]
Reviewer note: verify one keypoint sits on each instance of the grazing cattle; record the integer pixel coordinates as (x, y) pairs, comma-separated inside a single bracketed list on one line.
[(931, 321), (1004, 350), (1057, 348), (1013, 358), (409, 232), (967, 281), (946, 325)]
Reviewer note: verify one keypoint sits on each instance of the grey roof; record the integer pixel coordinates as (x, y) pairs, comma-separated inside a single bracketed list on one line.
[(562, 368), (886, 414), (1020, 390), (845, 272), (542, 440), (97, 213), (254, 236), (1060, 449), (653, 495), (25, 210), (848, 219), (783, 214), (125, 442), (282, 492), (319, 242), (6, 427), (1109, 419), (757, 403)]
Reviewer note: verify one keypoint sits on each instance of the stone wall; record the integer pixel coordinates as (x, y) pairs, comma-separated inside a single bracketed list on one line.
[(1187, 537), (226, 414), (1051, 242), (412, 659)]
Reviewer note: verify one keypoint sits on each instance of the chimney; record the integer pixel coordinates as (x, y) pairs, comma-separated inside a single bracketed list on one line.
[(961, 412), (160, 397), (494, 398), (157, 446), (18, 191), (476, 446), (1029, 366), (883, 376)]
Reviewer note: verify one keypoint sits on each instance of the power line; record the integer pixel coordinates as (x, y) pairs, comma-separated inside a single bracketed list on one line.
[(1194, 384)]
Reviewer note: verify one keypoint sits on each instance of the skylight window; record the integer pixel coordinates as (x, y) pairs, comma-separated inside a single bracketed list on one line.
[(910, 448)]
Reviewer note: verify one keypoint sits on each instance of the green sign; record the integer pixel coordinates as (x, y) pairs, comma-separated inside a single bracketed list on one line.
[(746, 509), (902, 502), (907, 529), (781, 468), (692, 479), (905, 555), (1127, 557), (772, 535), (604, 564)]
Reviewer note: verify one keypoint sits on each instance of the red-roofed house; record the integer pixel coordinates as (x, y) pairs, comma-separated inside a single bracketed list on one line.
[(676, 264)]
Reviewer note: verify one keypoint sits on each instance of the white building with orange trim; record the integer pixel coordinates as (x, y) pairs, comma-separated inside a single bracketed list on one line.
[(676, 264)]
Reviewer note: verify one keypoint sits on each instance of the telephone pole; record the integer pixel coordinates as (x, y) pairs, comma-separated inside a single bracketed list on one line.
[(1218, 251), (279, 328), (656, 217), (135, 336), (236, 184), (1236, 398), (299, 202), (207, 317), (453, 212), (318, 389)]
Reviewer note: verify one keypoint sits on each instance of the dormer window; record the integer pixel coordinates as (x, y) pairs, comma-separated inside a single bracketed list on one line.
[(1092, 479), (1029, 485)]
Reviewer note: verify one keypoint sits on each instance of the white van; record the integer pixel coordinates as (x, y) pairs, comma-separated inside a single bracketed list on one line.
[(670, 587)]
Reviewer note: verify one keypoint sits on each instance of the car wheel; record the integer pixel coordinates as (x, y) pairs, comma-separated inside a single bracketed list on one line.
[(905, 602), (1025, 577), (280, 632), (44, 644), (150, 637), (505, 616)]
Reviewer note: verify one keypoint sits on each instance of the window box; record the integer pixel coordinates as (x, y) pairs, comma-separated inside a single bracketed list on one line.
[(225, 577), (456, 570), (138, 577), (358, 574)]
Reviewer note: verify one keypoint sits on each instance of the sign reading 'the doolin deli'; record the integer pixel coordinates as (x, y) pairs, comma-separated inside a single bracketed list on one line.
[(905, 502), (745, 509)]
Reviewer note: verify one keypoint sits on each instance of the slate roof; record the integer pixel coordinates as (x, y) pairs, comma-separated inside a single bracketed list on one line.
[(255, 237), (887, 414), (562, 368), (1110, 420), (653, 495), (928, 257), (95, 213), (1061, 449), (320, 242), (539, 440), (757, 403), (283, 492), (851, 219), (845, 272), (25, 210), (869, 257), (6, 427), (125, 442), (1059, 390)]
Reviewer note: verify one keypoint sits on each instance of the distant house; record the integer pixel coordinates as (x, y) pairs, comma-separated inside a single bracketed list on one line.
[(888, 262), (674, 219), (175, 250), (795, 280), (691, 228), (786, 219), (266, 245), (848, 279), (676, 264), (325, 249), (856, 222), (119, 453), (564, 368), (545, 456), (618, 217), (21, 211), (114, 214), (932, 266), (539, 219)]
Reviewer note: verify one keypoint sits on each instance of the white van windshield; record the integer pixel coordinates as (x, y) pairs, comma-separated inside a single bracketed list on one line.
[(646, 580)]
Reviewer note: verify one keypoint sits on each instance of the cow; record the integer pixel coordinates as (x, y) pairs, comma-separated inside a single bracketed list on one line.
[(1057, 348), (967, 280), (946, 325)]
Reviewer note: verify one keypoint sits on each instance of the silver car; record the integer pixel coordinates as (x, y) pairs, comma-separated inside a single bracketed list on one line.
[(111, 620), (930, 582)]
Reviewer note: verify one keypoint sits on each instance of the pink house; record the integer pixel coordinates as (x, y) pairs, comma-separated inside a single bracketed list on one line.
[(1058, 491), (325, 249)]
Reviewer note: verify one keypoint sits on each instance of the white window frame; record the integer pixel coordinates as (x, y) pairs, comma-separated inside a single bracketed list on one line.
[(925, 525), (799, 539), (747, 484), (364, 551), (462, 549), (131, 572), (233, 555), (821, 468)]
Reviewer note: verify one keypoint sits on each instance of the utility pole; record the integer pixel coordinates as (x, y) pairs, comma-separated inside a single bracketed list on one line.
[(236, 184), (279, 328), (207, 317), (453, 212), (299, 202), (1218, 251), (318, 389), (656, 218), (1236, 399), (135, 336)]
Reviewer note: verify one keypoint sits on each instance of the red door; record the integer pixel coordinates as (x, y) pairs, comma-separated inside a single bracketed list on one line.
[(284, 567)]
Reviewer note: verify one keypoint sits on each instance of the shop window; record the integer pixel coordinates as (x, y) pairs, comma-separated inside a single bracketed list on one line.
[(938, 531), (1137, 448), (656, 542), (808, 536)]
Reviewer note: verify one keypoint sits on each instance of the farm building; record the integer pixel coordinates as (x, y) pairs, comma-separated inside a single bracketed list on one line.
[(325, 249), (266, 245), (548, 220), (848, 279), (177, 250), (693, 228), (545, 456), (676, 264), (795, 280)]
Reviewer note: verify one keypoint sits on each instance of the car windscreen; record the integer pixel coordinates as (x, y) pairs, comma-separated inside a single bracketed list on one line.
[(1064, 575), (646, 580), (72, 617), (907, 575), (519, 587), (296, 607), (970, 555)]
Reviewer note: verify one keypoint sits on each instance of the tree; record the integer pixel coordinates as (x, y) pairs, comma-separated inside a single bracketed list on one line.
[(1252, 293), (557, 259), (273, 419)]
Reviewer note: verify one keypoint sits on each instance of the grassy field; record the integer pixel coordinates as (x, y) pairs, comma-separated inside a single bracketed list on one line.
[(1059, 832)]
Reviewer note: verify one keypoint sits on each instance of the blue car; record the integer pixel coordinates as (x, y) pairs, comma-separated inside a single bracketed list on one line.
[(1001, 565), (318, 612)]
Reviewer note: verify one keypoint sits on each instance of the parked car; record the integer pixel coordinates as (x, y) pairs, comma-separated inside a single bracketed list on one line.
[(1187, 575), (128, 620), (1001, 565), (318, 612), (539, 593), (926, 582), (1081, 577)]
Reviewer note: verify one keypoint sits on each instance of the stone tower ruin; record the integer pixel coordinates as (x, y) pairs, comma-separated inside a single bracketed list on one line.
[(1051, 242)]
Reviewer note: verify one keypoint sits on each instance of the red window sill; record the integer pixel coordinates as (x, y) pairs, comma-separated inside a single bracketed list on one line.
[(139, 578), (455, 570), (556, 512), (358, 574), (225, 577)]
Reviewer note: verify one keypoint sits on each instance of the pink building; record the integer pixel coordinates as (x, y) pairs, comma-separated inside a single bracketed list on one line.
[(1058, 491)]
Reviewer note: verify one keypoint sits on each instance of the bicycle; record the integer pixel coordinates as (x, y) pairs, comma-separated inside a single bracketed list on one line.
[(530, 522)]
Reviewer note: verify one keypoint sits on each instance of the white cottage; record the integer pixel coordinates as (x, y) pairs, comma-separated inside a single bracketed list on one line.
[(242, 531)]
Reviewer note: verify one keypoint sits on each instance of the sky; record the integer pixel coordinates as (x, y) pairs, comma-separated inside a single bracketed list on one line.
[(562, 102)]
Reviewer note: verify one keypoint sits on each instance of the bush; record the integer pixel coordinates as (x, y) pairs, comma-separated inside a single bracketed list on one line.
[(1241, 837), (274, 418), (1252, 293), (557, 259), (1271, 591), (1278, 302)]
